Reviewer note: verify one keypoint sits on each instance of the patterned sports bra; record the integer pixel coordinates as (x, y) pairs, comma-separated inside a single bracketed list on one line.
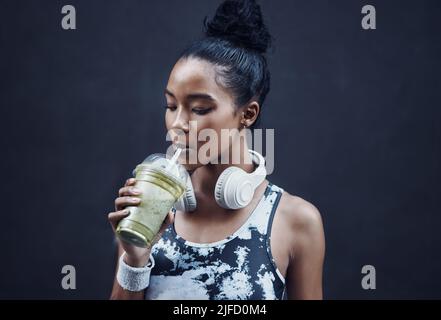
[(238, 267)]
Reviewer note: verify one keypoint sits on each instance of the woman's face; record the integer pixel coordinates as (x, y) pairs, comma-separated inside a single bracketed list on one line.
[(195, 101)]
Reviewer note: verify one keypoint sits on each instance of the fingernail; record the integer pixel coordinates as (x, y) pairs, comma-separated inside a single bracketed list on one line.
[(135, 199), (136, 190), (126, 211)]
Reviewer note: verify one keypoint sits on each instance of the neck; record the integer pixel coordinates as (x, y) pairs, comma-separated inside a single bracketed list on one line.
[(204, 178)]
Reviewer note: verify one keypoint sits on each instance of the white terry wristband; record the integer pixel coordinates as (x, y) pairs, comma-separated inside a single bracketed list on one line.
[(134, 279)]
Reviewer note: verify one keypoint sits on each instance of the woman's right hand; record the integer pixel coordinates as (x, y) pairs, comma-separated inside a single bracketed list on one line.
[(129, 196)]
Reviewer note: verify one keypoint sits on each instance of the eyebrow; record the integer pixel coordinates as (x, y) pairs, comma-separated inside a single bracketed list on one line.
[(193, 96)]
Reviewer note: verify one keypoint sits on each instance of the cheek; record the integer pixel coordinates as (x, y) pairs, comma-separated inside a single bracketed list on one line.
[(222, 118), (217, 122)]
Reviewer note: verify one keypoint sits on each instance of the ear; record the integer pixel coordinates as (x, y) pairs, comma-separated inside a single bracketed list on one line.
[(250, 113)]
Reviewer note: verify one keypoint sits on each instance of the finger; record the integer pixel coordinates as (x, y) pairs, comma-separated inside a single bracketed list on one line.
[(115, 217), (130, 182), (122, 202), (129, 191)]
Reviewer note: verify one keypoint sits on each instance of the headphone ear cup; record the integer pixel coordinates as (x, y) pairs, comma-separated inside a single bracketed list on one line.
[(220, 189), (233, 191), (187, 202), (190, 198)]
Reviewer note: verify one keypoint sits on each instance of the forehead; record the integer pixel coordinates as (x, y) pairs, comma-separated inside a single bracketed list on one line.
[(193, 75)]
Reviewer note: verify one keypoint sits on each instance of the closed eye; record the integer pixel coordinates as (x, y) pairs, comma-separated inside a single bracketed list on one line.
[(201, 111), (172, 108)]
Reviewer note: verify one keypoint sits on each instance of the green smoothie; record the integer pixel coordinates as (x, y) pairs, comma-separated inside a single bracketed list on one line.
[(161, 187)]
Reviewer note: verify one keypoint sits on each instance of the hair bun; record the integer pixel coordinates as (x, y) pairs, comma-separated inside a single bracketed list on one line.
[(240, 22)]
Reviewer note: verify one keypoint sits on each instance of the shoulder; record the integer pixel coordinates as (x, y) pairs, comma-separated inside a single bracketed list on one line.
[(303, 221), (299, 213)]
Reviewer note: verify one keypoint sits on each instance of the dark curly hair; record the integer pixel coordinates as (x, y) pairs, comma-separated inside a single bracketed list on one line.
[(236, 40)]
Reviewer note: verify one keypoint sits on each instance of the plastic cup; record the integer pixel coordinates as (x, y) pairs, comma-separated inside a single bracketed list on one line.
[(162, 183)]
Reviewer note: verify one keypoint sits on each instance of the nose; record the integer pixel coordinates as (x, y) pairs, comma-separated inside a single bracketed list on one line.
[(180, 122)]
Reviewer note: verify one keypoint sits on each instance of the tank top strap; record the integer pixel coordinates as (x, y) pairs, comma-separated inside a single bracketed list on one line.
[(262, 215)]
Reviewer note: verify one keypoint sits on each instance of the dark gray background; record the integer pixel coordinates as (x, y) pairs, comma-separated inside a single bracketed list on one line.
[(356, 115)]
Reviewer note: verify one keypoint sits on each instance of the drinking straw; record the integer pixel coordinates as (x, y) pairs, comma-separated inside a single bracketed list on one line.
[(174, 158)]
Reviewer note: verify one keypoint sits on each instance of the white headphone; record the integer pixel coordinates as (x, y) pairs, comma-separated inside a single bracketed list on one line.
[(234, 188)]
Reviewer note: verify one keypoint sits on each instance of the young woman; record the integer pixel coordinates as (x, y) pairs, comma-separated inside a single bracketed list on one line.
[(273, 248)]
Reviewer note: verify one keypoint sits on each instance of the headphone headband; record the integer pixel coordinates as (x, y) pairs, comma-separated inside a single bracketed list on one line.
[(258, 175)]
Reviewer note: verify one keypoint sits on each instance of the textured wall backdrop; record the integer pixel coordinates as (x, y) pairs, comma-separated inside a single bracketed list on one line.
[(356, 115)]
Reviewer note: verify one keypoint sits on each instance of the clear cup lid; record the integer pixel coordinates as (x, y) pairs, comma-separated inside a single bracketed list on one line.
[(163, 162)]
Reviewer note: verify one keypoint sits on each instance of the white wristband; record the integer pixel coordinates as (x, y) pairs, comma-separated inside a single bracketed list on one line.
[(134, 279)]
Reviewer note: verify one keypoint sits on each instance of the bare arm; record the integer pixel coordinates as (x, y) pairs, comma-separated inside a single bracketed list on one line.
[(304, 274)]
